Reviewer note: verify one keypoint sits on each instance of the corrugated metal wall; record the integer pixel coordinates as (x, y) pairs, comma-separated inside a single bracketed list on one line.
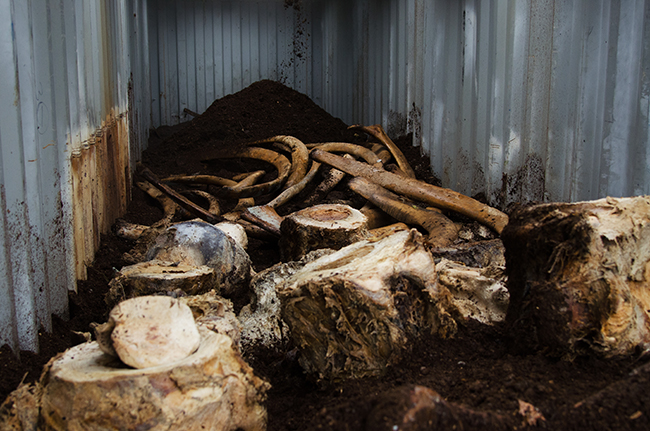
[(201, 51), (65, 128), (541, 100)]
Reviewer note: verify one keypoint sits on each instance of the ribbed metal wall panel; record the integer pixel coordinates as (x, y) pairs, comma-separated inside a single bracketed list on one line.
[(543, 101), (65, 81), (201, 51)]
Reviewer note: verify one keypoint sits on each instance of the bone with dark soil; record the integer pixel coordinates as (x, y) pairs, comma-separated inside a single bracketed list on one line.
[(578, 276)]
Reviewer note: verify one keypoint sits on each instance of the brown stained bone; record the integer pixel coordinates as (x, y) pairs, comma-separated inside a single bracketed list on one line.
[(182, 201), (133, 231), (578, 276), (280, 162), (378, 132), (382, 152), (265, 217), (419, 190), (292, 191), (254, 231), (168, 205), (246, 181), (320, 226), (413, 407), (331, 180), (213, 388), (213, 203), (382, 232), (376, 217), (353, 149), (442, 231), (211, 180), (299, 156)]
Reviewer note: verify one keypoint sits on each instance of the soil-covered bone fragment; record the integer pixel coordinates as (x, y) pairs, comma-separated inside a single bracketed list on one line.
[(261, 320), (579, 276), (212, 389), (352, 312), (414, 407), (476, 293), (320, 226)]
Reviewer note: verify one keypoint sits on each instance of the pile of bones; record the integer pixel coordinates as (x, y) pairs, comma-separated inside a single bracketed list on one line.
[(354, 288)]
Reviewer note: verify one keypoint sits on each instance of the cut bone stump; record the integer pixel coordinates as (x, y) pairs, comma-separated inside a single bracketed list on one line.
[(212, 389), (197, 243), (352, 312), (157, 277), (320, 226), (149, 331), (579, 276)]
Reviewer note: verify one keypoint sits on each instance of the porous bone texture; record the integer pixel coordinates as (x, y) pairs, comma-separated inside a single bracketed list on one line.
[(352, 312), (155, 277), (212, 389), (579, 276), (153, 330), (321, 226)]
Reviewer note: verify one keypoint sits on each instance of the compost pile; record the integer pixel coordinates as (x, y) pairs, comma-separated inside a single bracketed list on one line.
[(483, 375)]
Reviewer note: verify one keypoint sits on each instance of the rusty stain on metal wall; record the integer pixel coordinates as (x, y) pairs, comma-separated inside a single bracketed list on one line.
[(101, 183)]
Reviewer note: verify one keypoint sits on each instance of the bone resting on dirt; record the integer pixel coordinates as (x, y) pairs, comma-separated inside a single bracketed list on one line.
[(353, 312), (579, 276), (344, 311), (149, 331), (442, 231), (418, 190), (202, 244), (320, 226), (212, 389), (261, 320), (413, 407)]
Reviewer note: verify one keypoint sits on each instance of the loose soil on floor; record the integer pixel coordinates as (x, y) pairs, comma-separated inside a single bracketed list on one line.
[(481, 370)]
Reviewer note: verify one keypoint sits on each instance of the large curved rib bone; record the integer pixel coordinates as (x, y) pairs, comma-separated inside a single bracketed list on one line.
[(265, 215), (182, 201), (292, 191), (378, 132), (214, 207), (299, 156), (356, 150), (280, 162), (418, 190), (210, 180), (169, 206)]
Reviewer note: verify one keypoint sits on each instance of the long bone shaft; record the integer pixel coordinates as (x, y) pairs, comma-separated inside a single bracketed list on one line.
[(378, 132), (418, 190)]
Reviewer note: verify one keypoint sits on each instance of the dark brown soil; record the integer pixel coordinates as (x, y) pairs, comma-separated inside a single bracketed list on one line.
[(481, 372)]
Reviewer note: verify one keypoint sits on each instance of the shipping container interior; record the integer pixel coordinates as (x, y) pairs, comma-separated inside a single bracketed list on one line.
[(518, 101)]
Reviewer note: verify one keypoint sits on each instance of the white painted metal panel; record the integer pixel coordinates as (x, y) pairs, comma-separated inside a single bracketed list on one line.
[(65, 77)]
